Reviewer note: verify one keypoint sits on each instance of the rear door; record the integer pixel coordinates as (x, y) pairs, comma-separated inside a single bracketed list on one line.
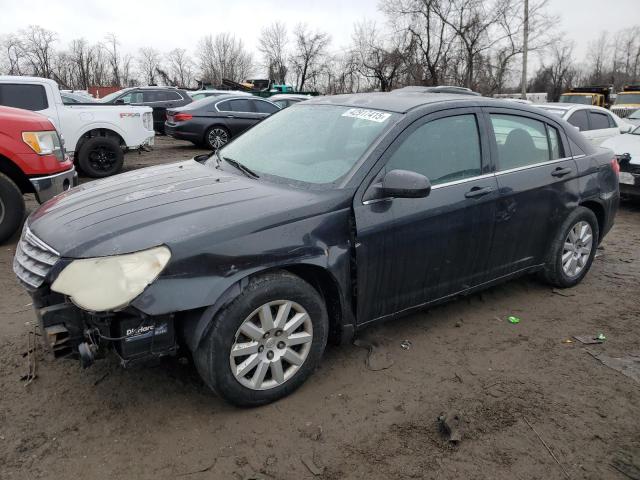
[(411, 251), (238, 114), (157, 100), (538, 186)]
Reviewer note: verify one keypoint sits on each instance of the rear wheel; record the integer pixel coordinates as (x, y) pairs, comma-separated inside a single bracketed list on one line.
[(216, 137), (572, 251), (265, 343), (100, 157), (12, 207)]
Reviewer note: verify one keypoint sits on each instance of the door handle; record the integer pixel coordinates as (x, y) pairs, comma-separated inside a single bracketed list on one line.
[(478, 192), (561, 172), (231, 116)]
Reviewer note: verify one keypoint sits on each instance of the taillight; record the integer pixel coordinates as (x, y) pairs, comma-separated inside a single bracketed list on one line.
[(181, 117), (615, 166)]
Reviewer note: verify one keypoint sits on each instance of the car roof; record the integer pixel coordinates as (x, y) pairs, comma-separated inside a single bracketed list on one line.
[(403, 102), (436, 89)]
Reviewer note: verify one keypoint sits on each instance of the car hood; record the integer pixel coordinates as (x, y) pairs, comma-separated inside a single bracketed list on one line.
[(170, 205), (621, 144)]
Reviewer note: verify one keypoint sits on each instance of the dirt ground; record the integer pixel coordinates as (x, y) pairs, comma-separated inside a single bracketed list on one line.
[(515, 386)]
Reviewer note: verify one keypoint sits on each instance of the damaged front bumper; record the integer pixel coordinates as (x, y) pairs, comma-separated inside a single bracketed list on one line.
[(70, 332), (629, 176)]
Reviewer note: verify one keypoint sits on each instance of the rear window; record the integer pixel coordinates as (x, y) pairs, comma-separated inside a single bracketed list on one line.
[(579, 119), (599, 120), (264, 107), (240, 105), (29, 97), (522, 141)]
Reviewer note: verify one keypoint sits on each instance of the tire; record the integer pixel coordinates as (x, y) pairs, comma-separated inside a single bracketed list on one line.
[(100, 157), (556, 272), (12, 208), (213, 357), (216, 137)]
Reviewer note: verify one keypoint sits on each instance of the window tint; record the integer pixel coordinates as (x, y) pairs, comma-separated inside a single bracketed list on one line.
[(599, 120), (132, 97), (264, 107), (579, 119), (153, 96), (172, 96), (443, 150), (555, 143), (29, 97), (521, 141), (240, 105), (224, 106)]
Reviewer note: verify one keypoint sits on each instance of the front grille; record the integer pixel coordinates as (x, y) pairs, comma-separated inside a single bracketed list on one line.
[(623, 112), (33, 260)]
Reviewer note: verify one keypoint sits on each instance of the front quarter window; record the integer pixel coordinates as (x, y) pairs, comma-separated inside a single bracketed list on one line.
[(317, 144)]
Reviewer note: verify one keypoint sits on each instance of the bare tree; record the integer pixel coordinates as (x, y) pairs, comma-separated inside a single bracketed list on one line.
[(273, 47), (37, 49), (380, 60), (148, 62), (223, 57), (310, 48), (180, 67), (12, 48), (111, 47)]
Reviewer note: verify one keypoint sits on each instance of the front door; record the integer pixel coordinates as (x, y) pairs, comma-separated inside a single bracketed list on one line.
[(413, 251)]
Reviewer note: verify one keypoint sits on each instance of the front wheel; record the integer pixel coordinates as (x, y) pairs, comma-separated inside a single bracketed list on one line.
[(12, 208), (573, 249), (265, 343)]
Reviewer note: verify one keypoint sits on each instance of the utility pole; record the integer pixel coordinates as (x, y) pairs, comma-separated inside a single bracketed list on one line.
[(525, 49)]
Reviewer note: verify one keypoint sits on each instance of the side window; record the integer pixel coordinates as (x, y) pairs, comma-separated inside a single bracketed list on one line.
[(521, 141), (443, 150), (170, 96), (555, 144), (264, 107), (240, 105), (152, 96), (224, 106), (579, 119), (132, 97), (28, 97), (599, 120)]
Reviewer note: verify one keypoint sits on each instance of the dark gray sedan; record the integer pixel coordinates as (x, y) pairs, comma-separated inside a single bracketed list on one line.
[(214, 121)]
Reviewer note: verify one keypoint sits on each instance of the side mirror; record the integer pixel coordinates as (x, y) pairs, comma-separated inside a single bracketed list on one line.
[(119, 101), (405, 184), (626, 128)]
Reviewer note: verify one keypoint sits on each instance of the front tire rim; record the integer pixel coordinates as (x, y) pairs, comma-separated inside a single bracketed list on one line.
[(218, 138), (577, 249), (102, 159), (271, 345)]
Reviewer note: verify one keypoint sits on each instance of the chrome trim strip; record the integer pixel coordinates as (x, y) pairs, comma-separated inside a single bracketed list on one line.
[(462, 180), (541, 164), (31, 237), (48, 177)]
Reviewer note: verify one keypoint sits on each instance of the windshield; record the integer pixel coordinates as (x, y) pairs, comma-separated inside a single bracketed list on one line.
[(626, 98), (316, 144), (635, 115), (581, 99), (110, 97)]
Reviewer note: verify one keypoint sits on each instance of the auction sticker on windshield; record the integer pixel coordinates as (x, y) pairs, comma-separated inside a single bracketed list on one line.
[(364, 114)]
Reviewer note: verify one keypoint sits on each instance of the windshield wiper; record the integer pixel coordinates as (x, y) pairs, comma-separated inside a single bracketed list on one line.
[(244, 169)]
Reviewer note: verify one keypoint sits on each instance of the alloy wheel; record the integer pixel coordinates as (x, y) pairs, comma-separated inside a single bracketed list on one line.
[(102, 159), (271, 345), (577, 249)]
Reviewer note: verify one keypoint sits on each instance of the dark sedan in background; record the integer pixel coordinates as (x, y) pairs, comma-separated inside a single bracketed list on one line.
[(214, 121), (158, 98)]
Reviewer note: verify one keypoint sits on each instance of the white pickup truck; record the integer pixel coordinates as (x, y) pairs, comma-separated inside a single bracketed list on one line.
[(97, 135)]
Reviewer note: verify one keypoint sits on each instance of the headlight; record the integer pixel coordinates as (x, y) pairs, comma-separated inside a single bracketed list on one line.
[(44, 143), (110, 283)]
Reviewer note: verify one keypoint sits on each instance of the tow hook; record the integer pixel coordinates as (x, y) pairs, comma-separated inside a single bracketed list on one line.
[(87, 352)]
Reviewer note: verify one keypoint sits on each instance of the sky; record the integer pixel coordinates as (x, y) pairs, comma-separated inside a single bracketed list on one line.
[(167, 24)]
